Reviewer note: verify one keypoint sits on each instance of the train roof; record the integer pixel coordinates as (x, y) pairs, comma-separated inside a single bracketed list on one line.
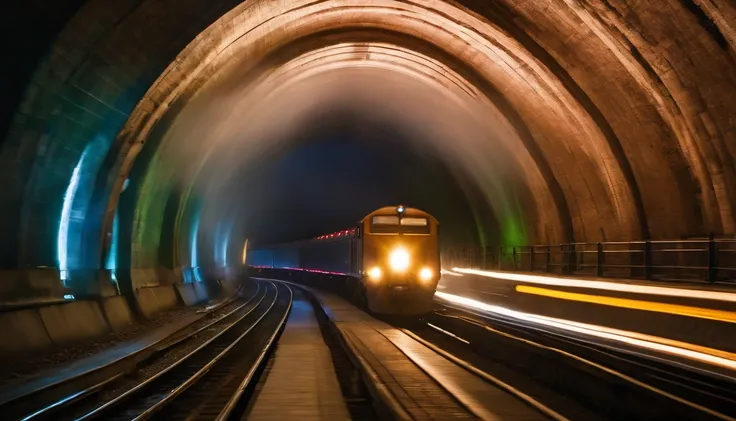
[(407, 211), (351, 231)]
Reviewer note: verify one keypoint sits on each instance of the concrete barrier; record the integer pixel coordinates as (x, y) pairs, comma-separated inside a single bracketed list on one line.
[(229, 287), (188, 294), (74, 321), (36, 329), (153, 300), (23, 331), (202, 292), (117, 313), (37, 317), (28, 285), (144, 278)]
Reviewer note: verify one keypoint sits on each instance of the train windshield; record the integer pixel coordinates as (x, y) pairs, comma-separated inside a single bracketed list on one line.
[(413, 225), (395, 225), (385, 224)]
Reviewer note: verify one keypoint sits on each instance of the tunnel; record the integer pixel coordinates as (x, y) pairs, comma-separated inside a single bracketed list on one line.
[(145, 143)]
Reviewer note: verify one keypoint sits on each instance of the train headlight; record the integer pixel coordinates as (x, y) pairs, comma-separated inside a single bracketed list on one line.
[(375, 273), (425, 274), (399, 259)]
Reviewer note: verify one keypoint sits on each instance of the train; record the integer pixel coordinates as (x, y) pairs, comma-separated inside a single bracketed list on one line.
[(389, 261)]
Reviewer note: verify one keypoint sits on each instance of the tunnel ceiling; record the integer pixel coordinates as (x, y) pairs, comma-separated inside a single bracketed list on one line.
[(563, 120)]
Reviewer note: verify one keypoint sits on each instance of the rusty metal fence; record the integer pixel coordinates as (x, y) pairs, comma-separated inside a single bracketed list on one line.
[(690, 260)]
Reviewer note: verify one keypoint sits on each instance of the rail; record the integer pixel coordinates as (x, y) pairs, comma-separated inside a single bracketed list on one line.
[(708, 260)]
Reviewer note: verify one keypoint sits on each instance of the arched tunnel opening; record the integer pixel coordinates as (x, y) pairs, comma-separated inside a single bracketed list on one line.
[(145, 143)]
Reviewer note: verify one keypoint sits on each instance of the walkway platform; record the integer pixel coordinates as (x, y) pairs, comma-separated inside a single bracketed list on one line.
[(412, 380), (301, 383), (64, 372)]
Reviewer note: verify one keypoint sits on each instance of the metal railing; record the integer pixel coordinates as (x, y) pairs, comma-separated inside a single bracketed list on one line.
[(689, 260)]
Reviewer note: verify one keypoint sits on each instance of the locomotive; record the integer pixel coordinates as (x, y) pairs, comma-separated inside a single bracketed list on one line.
[(390, 261)]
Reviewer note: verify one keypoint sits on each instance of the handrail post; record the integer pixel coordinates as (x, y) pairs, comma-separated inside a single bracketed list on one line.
[(599, 260), (531, 258), (712, 259), (513, 250), (565, 258), (647, 260), (548, 258)]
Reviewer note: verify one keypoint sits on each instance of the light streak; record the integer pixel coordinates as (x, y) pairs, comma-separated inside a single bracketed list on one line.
[(448, 333), (245, 250), (608, 286), (66, 211), (712, 356), (677, 309), (194, 241)]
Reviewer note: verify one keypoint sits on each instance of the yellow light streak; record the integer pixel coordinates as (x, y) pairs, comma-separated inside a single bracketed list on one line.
[(677, 309)]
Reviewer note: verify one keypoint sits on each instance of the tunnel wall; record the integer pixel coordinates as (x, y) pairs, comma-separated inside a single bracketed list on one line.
[(35, 326), (629, 106)]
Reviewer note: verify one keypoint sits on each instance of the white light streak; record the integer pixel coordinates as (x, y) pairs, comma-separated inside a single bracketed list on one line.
[(447, 333), (602, 285), (591, 330)]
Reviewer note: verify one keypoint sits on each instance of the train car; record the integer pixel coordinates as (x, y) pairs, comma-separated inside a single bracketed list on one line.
[(390, 260)]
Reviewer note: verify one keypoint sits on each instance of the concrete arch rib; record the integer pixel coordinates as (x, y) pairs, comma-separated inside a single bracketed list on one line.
[(544, 219), (589, 173), (666, 75)]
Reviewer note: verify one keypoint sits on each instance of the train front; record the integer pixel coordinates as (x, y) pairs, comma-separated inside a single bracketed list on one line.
[(401, 260)]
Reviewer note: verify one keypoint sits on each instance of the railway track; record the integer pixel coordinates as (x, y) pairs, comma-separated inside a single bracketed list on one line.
[(149, 386), (577, 378), (47, 401), (206, 381)]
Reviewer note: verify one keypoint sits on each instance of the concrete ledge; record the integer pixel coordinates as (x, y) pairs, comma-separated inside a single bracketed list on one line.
[(23, 330), (39, 328), (74, 321), (27, 285), (144, 278), (229, 286), (44, 321), (201, 292), (117, 312), (188, 294), (156, 299)]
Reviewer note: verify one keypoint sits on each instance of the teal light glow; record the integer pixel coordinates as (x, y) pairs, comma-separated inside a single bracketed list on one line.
[(66, 211), (111, 261), (223, 249), (222, 241), (194, 244), (194, 237)]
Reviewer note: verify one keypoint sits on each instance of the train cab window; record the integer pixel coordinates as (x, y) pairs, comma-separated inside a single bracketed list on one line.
[(394, 225), (414, 222), (411, 225), (385, 224)]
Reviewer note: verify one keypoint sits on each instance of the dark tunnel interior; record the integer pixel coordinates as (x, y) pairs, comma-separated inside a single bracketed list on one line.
[(340, 168)]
